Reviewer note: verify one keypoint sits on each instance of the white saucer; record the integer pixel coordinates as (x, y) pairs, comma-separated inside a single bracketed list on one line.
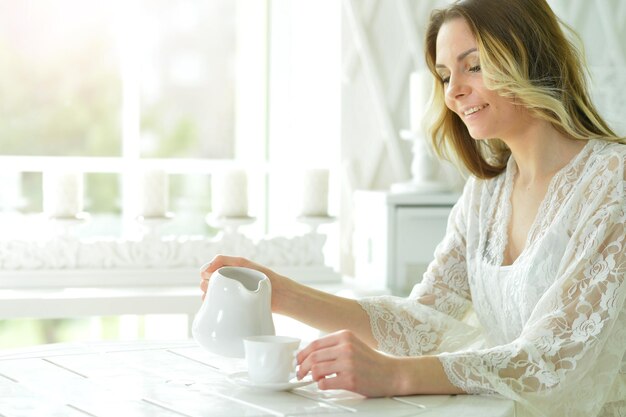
[(241, 378)]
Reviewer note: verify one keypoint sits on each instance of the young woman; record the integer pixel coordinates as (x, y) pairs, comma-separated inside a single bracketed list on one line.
[(535, 247)]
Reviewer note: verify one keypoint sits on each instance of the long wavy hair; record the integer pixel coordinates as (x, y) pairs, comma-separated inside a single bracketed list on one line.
[(524, 55)]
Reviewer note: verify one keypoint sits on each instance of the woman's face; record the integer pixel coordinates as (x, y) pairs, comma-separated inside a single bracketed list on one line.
[(486, 114)]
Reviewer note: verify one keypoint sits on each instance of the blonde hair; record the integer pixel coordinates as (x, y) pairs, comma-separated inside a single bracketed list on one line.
[(525, 56)]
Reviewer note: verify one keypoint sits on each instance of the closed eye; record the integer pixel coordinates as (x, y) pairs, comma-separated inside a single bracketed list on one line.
[(475, 68)]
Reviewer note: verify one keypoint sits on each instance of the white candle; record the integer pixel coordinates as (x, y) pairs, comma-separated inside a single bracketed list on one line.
[(421, 85), (229, 194), (62, 194), (315, 193), (154, 194)]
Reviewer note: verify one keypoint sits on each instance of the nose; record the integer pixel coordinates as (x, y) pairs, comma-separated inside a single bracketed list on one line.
[(457, 88)]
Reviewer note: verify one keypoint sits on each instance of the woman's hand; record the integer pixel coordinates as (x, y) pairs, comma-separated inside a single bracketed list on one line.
[(356, 366), (219, 261)]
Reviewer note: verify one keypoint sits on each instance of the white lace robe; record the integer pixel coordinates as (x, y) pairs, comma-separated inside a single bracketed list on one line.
[(551, 328)]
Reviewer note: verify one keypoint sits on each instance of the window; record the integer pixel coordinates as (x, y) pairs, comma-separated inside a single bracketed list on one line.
[(60, 79), (110, 89)]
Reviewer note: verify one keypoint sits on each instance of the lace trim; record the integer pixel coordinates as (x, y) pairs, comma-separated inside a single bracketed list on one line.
[(403, 336), (460, 381), (558, 191), (409, 328)]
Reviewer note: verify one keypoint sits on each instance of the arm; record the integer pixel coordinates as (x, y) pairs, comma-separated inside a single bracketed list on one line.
[(429, 321), (316, 308), (359, 368), (324, 311)]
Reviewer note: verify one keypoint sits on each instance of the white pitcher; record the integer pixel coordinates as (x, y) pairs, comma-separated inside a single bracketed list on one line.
[(237, 305)]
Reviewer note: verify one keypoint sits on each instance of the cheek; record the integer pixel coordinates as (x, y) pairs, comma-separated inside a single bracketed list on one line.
[(449, 103)]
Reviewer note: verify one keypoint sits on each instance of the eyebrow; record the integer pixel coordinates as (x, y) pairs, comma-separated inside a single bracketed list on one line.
[(460, 57)]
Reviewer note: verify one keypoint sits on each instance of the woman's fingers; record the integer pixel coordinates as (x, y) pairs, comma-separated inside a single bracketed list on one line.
[(317, 345), (216, 263), (219, 261), (312, 360), (327, 350), (334, 367), (322, 370), (204, 285), (337, 382)]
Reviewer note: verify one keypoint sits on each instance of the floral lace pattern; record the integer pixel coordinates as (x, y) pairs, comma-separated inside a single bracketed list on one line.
[(552, 332)]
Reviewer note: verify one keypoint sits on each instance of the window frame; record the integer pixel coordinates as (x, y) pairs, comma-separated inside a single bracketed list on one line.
[(250, 141)]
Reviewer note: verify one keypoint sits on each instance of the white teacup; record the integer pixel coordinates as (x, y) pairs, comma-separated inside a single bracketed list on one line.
[(271, 359)]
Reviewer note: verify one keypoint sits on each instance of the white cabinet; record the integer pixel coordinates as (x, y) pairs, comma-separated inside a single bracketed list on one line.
[(395, 236)]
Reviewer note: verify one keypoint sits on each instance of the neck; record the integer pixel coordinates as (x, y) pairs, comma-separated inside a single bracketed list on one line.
[(540, 151)]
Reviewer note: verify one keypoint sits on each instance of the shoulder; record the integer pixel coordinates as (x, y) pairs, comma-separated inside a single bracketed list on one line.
[(601, 184), (608, 153), (606, 167)]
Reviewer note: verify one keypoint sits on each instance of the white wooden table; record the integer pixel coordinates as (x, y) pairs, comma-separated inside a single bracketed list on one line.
[(158, 379)]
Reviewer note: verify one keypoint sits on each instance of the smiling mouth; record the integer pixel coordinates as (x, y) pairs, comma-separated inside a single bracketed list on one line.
[(474, 110)]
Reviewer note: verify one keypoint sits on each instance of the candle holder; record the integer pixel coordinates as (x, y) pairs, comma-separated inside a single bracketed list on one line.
[(424, 169), (229, 224), (65, 226), (314, 222), (150, 226)]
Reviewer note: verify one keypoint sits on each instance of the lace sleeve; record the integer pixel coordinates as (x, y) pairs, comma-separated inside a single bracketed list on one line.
[(430, 319), (568, 356)]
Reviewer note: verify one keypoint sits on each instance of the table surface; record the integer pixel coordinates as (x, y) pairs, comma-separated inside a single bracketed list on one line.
[(159, 379)]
